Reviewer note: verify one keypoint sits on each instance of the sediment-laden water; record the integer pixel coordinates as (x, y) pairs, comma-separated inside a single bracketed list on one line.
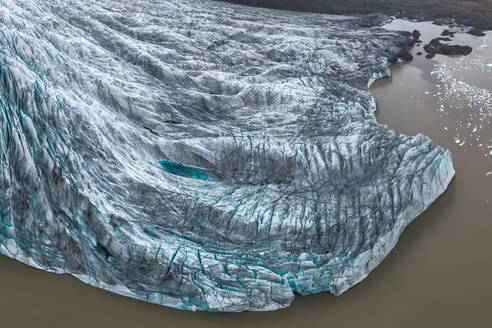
[(162, 162)]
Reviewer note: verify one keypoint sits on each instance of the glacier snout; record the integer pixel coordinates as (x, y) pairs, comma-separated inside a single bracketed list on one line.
[(201, 155)]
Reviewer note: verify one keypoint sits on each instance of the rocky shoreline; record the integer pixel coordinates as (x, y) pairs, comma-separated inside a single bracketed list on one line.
[(476, 14), (472, 18), (435, 46)]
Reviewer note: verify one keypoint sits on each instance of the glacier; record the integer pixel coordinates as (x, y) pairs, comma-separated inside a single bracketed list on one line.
[(203, 155)]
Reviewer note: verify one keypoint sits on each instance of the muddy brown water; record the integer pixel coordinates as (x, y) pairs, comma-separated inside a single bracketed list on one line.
[(438, 275)]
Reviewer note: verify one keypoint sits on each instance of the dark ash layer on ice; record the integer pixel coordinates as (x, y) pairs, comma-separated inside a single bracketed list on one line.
[(203, 156)]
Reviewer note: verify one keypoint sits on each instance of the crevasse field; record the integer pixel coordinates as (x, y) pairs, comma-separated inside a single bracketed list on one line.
[(201, 155)]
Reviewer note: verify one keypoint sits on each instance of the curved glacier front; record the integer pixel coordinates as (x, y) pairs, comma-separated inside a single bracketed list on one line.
[(201, 155)]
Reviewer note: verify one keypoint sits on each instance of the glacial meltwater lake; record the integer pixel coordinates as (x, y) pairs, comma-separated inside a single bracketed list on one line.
[(439, 274)]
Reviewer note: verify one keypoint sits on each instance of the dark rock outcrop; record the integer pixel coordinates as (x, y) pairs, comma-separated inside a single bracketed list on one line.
[(476, 32), (436, 47), (447, 33)]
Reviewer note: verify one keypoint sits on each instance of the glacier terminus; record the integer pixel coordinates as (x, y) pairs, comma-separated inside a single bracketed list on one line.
[(203, 155)]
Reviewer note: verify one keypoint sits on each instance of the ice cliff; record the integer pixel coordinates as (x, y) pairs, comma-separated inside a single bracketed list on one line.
[(201, 155)]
